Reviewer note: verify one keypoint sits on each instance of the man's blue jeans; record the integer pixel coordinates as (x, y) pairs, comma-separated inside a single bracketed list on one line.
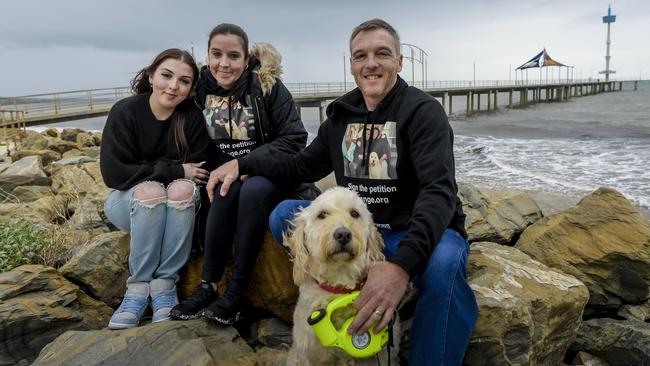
[(446, 309)]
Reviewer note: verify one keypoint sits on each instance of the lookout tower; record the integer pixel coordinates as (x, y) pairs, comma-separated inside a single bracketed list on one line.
[(608, 19)]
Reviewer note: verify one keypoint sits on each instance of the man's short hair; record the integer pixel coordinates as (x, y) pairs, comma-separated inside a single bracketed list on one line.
[(373, 24)]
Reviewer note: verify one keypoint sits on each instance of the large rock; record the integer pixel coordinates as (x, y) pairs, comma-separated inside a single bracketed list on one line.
[(194, 342), (87, 216), (31, 193), (70, 134), (101, 268), (528, 313), (604, 241), (80, 181), (37, 305), (47, 156), (274, 333), (74, 160), (93, 152), (271, 286), (619, 342), (34, 140), (30, 166), (60, 146), (85, 139), (498, 220), (48, 209), (9, 182)]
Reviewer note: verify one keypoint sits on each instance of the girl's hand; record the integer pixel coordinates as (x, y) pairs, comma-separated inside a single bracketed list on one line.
[(195, 173)]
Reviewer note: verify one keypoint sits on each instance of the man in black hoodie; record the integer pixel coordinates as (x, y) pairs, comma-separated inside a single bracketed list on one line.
[(416, 207)]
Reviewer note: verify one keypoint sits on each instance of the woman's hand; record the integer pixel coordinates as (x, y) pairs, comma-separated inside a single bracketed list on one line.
[(195, 173)]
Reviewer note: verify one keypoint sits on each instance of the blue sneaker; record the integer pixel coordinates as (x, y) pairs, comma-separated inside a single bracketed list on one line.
[(163, 298), (132, 307)]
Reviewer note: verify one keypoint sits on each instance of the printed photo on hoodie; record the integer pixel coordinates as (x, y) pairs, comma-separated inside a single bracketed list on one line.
[(370, 151), (223, 122)]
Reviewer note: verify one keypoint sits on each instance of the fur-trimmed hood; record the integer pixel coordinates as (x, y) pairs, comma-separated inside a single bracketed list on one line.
[(270, 65)]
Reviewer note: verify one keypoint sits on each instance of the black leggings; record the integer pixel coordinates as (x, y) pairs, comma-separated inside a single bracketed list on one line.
[(244, 211)]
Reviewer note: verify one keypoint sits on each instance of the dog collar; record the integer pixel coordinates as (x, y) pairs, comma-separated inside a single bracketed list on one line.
[(339, 289)]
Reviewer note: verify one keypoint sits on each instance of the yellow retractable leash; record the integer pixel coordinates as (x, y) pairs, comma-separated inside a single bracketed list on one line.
[(360, 346)]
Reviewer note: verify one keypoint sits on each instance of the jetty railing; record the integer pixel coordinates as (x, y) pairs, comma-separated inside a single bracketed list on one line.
[(58, 106)]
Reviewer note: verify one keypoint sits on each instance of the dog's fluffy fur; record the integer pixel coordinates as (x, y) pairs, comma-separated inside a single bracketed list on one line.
[(319, 258)]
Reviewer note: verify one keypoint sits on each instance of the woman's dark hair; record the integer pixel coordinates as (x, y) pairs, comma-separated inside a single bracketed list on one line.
[(227, 28), (141, 85)]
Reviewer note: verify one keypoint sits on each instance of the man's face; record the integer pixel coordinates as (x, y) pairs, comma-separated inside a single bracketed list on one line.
[(374, 63)]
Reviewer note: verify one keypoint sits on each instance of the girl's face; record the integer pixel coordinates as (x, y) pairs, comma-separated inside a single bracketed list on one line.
[(226, 59), (171, 84)]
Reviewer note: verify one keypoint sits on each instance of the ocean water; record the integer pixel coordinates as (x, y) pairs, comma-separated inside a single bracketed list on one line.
[(568, 148)]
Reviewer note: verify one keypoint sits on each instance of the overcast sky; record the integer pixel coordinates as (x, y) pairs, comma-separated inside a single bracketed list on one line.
[(48, 46)]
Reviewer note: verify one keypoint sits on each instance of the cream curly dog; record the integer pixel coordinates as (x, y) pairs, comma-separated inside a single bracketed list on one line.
[(333, 243)]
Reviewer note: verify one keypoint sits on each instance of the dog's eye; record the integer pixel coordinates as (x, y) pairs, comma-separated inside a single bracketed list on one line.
[(322, 214), (354, 213)]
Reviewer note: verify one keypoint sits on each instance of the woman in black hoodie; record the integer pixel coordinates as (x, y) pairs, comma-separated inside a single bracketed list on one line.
[(243, 98)]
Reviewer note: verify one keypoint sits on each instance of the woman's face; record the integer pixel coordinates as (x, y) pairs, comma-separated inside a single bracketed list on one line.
[(171, 83), (226, 59)]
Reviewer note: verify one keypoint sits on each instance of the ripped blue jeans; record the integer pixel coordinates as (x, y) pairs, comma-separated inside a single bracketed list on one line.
[(161, 230)]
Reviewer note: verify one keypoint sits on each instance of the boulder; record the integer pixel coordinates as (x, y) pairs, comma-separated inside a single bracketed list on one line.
[(604, 241), (618, 342), (501, 220), (51, 132), (85, 139), (48, 209), (60, 146), (78, 160), (31, 193), (47, 156), (271, 286), (9, 182), (194, 342), (37, 305), (93, 152), (70, 134), (274, 333), (528, 313), (98, 137), (101, 267), (71, 153), (80, 181), (30, 166), (639, 313), (87, 216), (34, 141)]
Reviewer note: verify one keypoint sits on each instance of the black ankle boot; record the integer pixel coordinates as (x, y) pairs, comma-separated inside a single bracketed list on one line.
[(193, 306), (226, 310)]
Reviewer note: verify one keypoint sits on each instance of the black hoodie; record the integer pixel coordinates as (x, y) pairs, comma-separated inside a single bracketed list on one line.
[(406, 176)]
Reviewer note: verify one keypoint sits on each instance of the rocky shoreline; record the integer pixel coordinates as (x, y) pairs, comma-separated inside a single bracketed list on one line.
[(559, 280)]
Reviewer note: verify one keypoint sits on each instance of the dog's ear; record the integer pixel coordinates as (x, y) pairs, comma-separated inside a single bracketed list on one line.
[(375, 245), (297, 244)]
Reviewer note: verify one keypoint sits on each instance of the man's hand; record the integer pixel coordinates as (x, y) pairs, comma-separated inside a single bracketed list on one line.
[(195, 173), (379, 297), (226, 173)]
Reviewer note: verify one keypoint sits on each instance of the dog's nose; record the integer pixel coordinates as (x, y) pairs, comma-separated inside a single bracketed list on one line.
[(342, 236)]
